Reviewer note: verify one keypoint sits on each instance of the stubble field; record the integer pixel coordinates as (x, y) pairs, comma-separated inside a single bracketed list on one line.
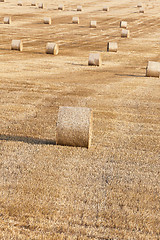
[(112, 189)]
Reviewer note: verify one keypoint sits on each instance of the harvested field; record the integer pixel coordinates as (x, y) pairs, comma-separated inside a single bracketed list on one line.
[(111, 190)]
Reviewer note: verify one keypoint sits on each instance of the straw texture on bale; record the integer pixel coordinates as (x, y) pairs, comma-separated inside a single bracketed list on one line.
[(95, 59), (40, 5), (74, 126), (75, 20), (52, 48), (125, 33), (19, 3), (17, 45), (47, 20), (33, 4), (123, 24), (141, 10), (61, 7), (7, 20), (153, 69), (112, 47), (79, 8), (106, 9), (93, 24)]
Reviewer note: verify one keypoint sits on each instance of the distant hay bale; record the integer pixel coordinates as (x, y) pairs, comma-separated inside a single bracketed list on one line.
[(40, 5), (123, 24), (106, 8), (74, 126), (75, 20), (19, 3), (17, 45), (47, 20), (95, 59), (1, 0), (33, 4), (79, 8), (153, 69), (52, 48), (7, 20), (139, 5), (93, 24), (141, 10), (112, 47), (125, 33), (61, 7)]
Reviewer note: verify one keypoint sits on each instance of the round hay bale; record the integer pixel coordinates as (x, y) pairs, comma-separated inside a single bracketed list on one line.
[(74, 126), (33, 4), (1, 0), (19, 3), (139, 5), (47, 20), (40, 5), (93, 24), (141, 10), (79, 8), (52, 48), (153, 69), (61, 7), (106, 8), (125, 33), (123, 24), (95, 59), (7, 20), (17, 45), (112, 47), (75, 20)]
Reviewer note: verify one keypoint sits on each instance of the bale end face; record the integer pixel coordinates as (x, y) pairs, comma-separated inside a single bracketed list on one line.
[(52, 48), (93, 24), (112, 47), (74, 126), (95, 59), (153, 69), (17, 45)]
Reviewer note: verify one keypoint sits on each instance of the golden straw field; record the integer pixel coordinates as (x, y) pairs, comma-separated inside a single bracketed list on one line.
[(111, 190)]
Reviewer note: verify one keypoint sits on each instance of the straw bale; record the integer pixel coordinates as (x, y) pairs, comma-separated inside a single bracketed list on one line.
[(153, 69), (125, 33), (52, 48), (17, 45), (123, 24), (75, 20), (95, 59), (47, 20), (112, 47), (93, 24), (7, 20)]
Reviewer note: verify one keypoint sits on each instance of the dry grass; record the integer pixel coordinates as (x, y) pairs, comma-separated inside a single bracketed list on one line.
[(112, 189)]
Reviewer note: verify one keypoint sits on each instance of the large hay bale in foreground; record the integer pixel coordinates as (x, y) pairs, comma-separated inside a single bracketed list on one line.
[(47, 20), (17, 45), (40, 5), (95, 59), (75, 20), (123, 24), (112, 47), (79, 8), (125, 33), (61, 7), (74, 126), (93, 24), (153, 69), (7, 20), (52, 48)]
